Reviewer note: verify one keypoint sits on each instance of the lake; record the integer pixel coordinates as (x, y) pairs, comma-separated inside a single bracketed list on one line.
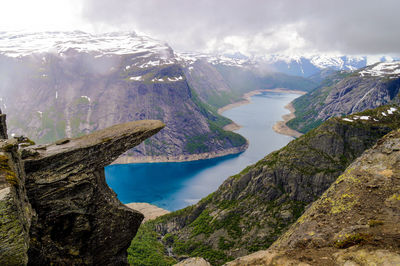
[(173, 186)]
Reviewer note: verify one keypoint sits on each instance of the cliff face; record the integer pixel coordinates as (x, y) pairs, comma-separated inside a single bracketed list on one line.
[(64, 97), (251, 209), (15, 209), (355, 222), (56, 206), (346, 93), (89, 82)]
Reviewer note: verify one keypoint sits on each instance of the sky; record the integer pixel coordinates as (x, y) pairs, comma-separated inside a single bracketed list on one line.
[(252, 27)]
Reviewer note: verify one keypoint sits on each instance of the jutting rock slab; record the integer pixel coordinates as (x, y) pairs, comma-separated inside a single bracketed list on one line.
[(59, 201)]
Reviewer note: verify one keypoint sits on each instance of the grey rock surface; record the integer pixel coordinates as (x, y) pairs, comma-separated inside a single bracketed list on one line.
[(250, 210), (15, 210), (55, 205), (355, 222), (79, 218)]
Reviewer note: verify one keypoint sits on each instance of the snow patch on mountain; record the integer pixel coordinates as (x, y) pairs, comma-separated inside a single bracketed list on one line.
[(18, 44), (382, 69), (301, 65)]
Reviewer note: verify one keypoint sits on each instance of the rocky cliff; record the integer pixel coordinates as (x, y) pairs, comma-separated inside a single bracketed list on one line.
[(15, 209), (66, 84), (345, 93), (355, 222), (56, 206), (252, 209)]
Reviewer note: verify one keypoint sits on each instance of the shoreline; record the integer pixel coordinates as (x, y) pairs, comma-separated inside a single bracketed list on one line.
[(280, 127), (247, 98), (149, 211), (181, 158)]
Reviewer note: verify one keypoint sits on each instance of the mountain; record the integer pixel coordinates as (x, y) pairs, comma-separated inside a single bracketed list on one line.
[(64, 84), (294, 65), (355, 222), (344, 93), (306, 66), (250, 210), (220, 80)]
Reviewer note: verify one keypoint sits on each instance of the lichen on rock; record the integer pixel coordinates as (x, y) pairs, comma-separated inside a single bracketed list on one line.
[(55, 205), (15, 210), (357, 219)]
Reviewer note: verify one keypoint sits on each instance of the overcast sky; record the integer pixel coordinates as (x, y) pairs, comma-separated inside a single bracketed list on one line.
[(355, 27)]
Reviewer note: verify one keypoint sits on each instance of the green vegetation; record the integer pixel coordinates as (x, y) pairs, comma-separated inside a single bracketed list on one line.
[(225, 244), (7, 172), (253, 208), (147, 250), (351, 240), (305, 110), (374, 223), (242, 81), (199, 249), (197, 144), (222, 99), (200, 143), (202, 224)]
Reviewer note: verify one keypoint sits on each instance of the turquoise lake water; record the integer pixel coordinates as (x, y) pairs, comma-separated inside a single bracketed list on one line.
[(174, 186)]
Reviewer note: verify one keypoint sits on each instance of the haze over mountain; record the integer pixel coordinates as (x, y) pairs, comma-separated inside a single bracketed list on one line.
[(260, 28)]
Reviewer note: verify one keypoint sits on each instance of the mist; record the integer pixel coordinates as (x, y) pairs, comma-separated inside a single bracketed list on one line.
[(258, 26)]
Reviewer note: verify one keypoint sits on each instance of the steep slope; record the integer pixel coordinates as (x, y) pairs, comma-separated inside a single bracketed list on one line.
[(355, 222), (64, 84), (55, 205), (251, 209), (220, 83), (345, 93), (15, 210), (210, 85)]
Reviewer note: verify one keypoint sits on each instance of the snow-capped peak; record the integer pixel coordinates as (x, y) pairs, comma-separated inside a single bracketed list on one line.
[(17, 44)]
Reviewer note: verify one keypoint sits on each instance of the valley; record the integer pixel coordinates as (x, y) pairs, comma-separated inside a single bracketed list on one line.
[(173, 186), (119, 120)]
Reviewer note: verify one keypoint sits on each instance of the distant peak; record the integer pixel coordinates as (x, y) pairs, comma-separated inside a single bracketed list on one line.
[(22, 43)]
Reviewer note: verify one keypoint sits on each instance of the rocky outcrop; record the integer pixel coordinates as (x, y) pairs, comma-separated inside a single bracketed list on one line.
[(75, 217), (355, 222), (193, 262), (250, 210), (79, 218), (15, 210)]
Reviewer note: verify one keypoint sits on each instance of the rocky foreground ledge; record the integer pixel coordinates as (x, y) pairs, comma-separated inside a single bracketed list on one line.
[(56, 206), (355, 222)]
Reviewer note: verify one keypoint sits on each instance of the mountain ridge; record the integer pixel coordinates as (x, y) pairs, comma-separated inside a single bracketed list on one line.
[(355, 222), (76, 83), (343, 93), (251, 209)]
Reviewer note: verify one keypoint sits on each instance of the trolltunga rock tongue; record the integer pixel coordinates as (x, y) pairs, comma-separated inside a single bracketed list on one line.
[(79, 218)]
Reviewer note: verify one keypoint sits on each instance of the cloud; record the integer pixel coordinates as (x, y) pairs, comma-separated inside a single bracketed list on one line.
[(41, 15), (257, 26)]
